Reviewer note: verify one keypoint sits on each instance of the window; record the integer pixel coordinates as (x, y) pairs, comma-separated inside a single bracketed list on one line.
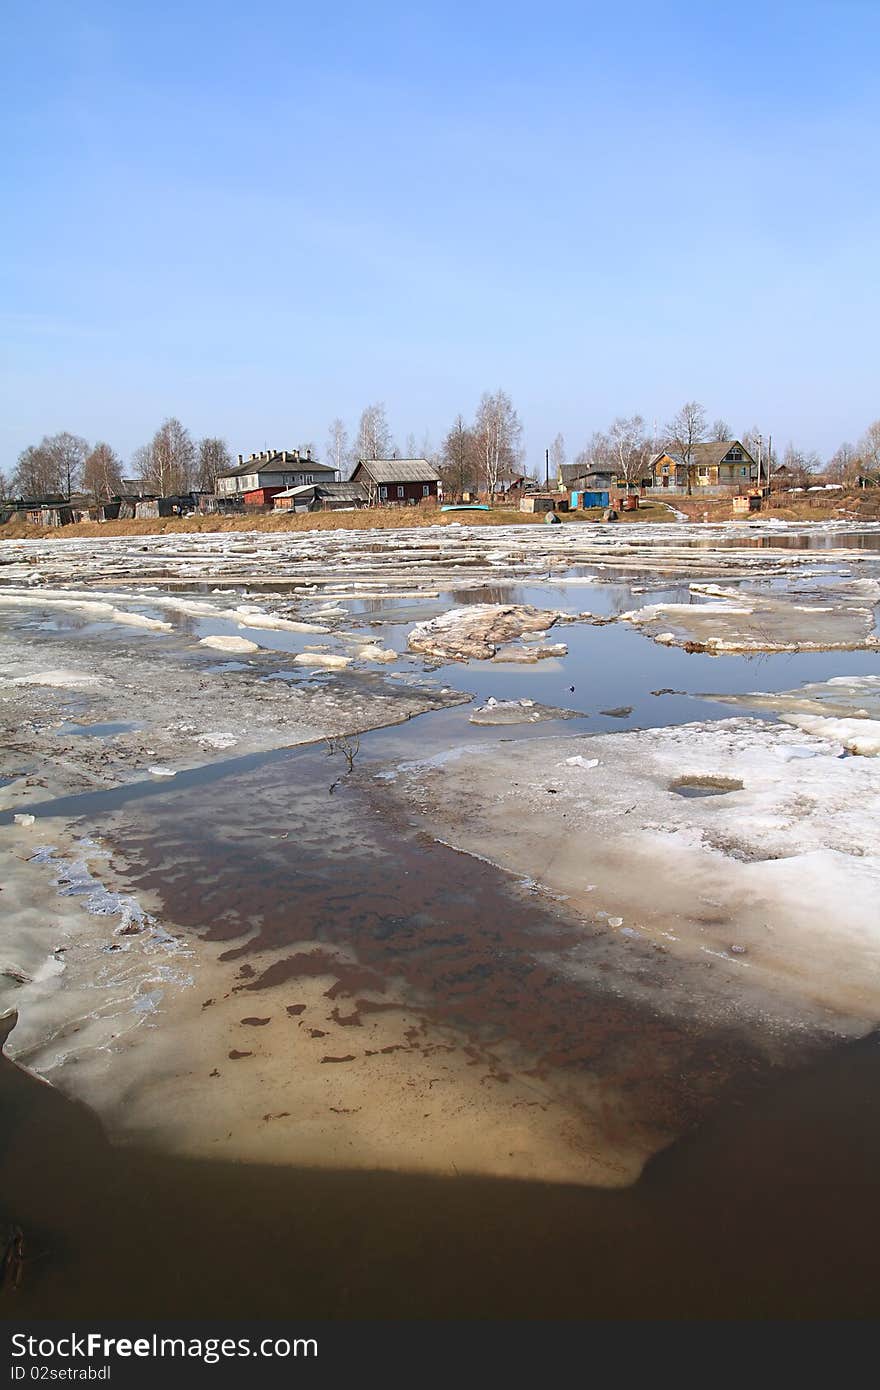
[(400, 491), (426, 491), (383, 494)]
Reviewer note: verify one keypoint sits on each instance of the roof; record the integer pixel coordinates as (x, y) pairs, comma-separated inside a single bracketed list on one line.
[(711, 454), (707, 455), (398, 470), (354, 492), (277, 461)]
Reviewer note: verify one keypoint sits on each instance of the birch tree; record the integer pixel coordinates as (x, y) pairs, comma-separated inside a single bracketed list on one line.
[(338, 453), (685, 430), (499, 432), (557, 457), (166, 464), (628, 445), (374, 434)]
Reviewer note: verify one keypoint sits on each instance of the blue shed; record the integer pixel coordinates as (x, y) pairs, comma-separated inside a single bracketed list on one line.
[(589, 499)]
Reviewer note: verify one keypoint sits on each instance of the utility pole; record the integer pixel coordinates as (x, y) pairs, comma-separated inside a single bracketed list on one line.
[(546, 470)]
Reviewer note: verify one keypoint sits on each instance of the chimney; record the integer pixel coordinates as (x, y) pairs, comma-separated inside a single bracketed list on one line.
[(240, 460), (308, 454)]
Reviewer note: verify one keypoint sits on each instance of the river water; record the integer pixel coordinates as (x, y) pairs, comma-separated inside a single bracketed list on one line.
[(764, 1206)]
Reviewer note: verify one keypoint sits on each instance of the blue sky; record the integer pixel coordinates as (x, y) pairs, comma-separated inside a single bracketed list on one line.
[(258, 217)]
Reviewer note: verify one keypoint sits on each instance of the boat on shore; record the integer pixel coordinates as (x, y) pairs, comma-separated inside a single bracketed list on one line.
[(465, 507)]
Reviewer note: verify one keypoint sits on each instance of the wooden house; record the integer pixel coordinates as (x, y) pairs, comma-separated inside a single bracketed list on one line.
[(404, 482), (717, 468)]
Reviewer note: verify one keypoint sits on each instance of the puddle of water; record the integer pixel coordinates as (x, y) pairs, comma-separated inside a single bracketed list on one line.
[(97, 730)]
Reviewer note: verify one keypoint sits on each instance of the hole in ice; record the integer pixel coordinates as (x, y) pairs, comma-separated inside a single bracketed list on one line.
[(705, 786)]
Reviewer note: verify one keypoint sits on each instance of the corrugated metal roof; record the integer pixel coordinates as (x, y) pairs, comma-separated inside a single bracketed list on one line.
[(398, 470), (353, 491)]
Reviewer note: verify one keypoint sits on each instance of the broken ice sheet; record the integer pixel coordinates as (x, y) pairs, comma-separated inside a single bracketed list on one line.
[(843, 712)]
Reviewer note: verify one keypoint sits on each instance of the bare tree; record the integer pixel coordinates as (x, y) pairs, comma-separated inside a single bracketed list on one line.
[(5, 486), (166, 464), (69, 451), (628, 445), (685, 430), (374, 434), (35, 473), (214, 458), (337, 447), (53, 466), (499, 432), (719, 431), (843, 464), (102, 472), (597, 455), (459, 458), (869, 447), (557, 457)]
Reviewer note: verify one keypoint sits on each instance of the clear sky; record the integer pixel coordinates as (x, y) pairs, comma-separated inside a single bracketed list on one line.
[(259, 216)]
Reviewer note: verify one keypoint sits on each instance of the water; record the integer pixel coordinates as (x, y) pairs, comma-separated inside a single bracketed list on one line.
[(766, 1208), (98, 730)]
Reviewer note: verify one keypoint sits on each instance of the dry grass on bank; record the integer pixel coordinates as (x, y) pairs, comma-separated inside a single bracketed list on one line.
[(274, 523), (855, 505)]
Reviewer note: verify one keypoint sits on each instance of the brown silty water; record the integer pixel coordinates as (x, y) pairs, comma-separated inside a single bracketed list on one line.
[(763, 1208), (365, 995)]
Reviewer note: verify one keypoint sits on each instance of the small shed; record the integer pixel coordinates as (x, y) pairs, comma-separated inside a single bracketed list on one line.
[(317, 497), (583, 500)]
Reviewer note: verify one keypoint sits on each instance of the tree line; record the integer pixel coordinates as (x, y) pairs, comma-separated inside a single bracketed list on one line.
[(477, 454), (171, 462)]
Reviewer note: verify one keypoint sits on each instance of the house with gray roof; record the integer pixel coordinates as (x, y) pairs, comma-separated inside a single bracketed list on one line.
[(258, 479), (718, 467), (401, 482)]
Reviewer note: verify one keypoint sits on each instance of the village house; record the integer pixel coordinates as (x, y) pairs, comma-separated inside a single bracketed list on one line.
[(257, 480), (404, 482), (720, 467)]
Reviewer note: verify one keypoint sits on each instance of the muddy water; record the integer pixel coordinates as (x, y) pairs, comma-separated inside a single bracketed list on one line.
[(428, 929), (412, 925), (769, 1210)]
